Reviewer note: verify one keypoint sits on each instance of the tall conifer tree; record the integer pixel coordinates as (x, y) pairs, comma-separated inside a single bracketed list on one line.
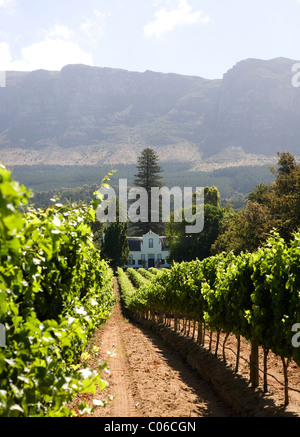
[(148, 176)]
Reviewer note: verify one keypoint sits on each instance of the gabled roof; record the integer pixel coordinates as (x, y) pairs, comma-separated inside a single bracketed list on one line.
[(134, 243)]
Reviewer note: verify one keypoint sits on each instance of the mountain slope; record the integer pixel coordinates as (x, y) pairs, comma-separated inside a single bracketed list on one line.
[(258, 108), (91, 115)]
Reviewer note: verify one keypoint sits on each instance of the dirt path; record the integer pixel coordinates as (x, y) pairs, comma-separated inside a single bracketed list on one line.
[(147, 379)]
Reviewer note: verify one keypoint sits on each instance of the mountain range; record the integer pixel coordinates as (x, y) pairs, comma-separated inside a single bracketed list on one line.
[(85, 115)]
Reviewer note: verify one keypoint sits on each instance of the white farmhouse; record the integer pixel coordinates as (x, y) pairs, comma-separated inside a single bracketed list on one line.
[(150, 250)]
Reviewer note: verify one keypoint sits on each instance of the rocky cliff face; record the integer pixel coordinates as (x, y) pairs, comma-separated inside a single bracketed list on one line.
[(258, 108), (87, 115)]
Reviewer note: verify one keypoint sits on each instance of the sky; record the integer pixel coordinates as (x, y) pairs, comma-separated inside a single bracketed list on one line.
[(193, 37)]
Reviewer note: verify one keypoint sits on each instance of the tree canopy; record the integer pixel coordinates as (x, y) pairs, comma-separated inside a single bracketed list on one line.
[(186, 247), (269, 207), (115, 247)]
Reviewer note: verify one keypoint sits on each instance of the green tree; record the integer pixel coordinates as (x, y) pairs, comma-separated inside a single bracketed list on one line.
[(148, 176), (284, 196), (274, 206), (244, 231), (212, 196), (187, 247), (98, 230), (259, 194), (115, 244)]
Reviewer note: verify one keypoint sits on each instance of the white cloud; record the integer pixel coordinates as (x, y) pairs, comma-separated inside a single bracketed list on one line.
[(167, 20), (60, 31), (93, 28), (57, 46), (7, 4), (51, 53), (5, 56)]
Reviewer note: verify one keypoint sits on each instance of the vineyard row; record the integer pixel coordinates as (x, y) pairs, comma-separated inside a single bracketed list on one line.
[(255, 296)]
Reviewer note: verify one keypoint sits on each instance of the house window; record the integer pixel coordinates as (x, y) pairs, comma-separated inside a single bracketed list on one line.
[(159, 260), (142, 261), (150, 243)]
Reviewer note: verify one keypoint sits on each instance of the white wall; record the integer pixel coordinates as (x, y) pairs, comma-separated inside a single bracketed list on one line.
[(149, 252)]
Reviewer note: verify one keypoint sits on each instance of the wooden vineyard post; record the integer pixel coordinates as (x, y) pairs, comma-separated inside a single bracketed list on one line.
[(210, 340), (199, 337), (224, 343), (286, 389), (161, 317), (189, 327), (175, 322), (217, 342), (238, 338), (254, 370), (266, 351), (184, 325), (194, 327)]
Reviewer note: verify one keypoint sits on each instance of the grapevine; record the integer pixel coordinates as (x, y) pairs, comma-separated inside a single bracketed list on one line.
[(253, 295), (54, 290)]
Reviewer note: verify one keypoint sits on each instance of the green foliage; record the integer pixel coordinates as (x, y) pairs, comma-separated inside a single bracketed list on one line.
[(115, 246), (212, 196), (284, 196), (246, 230), (148, 174), (187, 247), (83, 194), (146, 273), (274, 206), (138, 279), (54, 291), (147, 177), (126, 286), (255, 295)]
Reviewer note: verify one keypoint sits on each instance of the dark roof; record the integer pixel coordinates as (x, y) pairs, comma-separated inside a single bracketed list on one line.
[(135, 243), (163, 243)]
